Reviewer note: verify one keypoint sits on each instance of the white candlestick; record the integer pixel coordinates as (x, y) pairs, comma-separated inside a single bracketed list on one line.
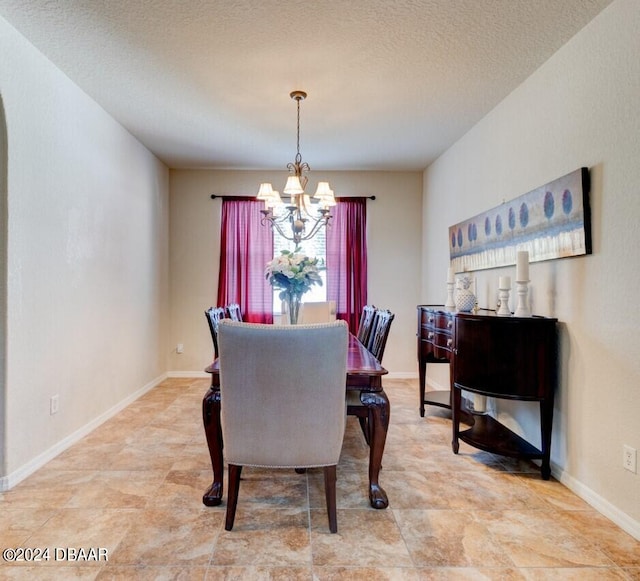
[(450, 305), (504, 282), (451, 275), (523, 310), (503, 308), (522, 266)]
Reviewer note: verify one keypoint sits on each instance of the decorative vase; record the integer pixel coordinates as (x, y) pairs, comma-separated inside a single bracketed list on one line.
[(293, 306), (465, 300)]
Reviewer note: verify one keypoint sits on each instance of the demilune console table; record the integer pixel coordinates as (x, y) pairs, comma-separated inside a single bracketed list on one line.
[(502, 357)]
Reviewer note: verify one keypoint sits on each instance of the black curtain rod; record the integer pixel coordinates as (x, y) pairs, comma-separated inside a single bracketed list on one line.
[(214, 196)]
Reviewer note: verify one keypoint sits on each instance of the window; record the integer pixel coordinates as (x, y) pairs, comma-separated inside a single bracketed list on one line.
[(246, 246), (315, 247)]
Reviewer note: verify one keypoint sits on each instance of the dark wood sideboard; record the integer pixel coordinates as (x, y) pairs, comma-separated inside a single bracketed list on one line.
[(435, 345), (502, 357)]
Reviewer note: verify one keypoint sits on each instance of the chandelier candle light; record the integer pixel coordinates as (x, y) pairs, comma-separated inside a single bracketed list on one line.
[(298, 211)]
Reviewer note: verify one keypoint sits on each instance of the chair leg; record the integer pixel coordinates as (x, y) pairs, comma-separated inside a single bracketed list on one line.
[(330, 493), (232, 495)]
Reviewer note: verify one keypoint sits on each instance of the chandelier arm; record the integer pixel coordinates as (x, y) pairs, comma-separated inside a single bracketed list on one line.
[(276, 223), (319, 223)]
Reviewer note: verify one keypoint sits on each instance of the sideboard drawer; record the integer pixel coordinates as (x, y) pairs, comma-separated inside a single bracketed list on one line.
[(436, 320)]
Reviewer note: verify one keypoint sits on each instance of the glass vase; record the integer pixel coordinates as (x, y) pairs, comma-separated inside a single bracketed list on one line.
[(293, 307)]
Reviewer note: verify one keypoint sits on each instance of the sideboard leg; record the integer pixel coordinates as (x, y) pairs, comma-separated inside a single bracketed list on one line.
[(456, 398)]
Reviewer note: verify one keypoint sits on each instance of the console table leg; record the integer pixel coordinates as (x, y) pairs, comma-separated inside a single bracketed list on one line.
[(546, 422), (456, 400), (213, 433), (422, 372)]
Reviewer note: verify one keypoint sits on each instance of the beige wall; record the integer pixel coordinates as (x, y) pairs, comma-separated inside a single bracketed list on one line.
[(87, 284), (579, 109), (393, 222)]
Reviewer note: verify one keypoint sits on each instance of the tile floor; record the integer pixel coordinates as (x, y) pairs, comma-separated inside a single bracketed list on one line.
[(134, 488)]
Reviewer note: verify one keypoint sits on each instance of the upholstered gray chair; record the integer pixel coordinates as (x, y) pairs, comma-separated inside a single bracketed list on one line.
[(283, 401)]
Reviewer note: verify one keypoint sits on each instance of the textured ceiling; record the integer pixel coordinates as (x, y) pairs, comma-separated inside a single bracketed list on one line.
[(391, 83)]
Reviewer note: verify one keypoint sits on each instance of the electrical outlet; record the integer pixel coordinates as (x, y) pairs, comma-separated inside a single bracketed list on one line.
[(54, 404), (180, 348), (629, 459)]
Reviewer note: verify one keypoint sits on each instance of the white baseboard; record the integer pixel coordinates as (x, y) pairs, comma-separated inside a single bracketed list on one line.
[(199, 374), (613, 513), (435, 386), (188, 374), (9, 481), (401, 375)]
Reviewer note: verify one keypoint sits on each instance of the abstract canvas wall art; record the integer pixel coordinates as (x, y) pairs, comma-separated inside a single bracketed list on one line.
[(552, 221)]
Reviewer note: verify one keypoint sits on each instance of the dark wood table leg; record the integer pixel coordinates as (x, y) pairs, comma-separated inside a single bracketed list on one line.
[(379, 410), (213, 432)]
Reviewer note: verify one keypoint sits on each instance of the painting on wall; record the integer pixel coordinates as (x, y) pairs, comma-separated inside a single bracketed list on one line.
[(552, 221)]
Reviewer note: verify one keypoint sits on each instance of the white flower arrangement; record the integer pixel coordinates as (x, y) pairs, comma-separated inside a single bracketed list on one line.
[(293, 273)]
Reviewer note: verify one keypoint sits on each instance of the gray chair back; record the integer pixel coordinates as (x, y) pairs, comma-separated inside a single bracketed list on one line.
[(283, 400)]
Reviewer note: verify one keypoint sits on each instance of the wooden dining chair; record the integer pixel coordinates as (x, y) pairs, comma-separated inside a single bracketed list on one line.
[(380, 334), (214, 316), (233, 310), (366, 324), (282, 391)]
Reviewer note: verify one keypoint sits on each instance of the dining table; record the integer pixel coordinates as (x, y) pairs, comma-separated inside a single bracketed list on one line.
[(363, 390)]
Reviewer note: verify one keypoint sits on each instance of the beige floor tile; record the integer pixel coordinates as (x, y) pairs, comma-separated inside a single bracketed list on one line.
[(265, 537), (619, 546), (449, 538), (574, 574), (169, 537), (356, 573), (366, 537), (259, 574), (134, 487), (538, 538), (146, 573), (31, 573), (117, 489), (74, 528), (181, 489)]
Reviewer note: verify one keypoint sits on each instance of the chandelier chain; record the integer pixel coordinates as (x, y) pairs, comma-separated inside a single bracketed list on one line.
[(298, 156)]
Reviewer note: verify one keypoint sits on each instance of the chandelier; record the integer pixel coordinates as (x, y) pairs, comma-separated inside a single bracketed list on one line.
[(298, 212)]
